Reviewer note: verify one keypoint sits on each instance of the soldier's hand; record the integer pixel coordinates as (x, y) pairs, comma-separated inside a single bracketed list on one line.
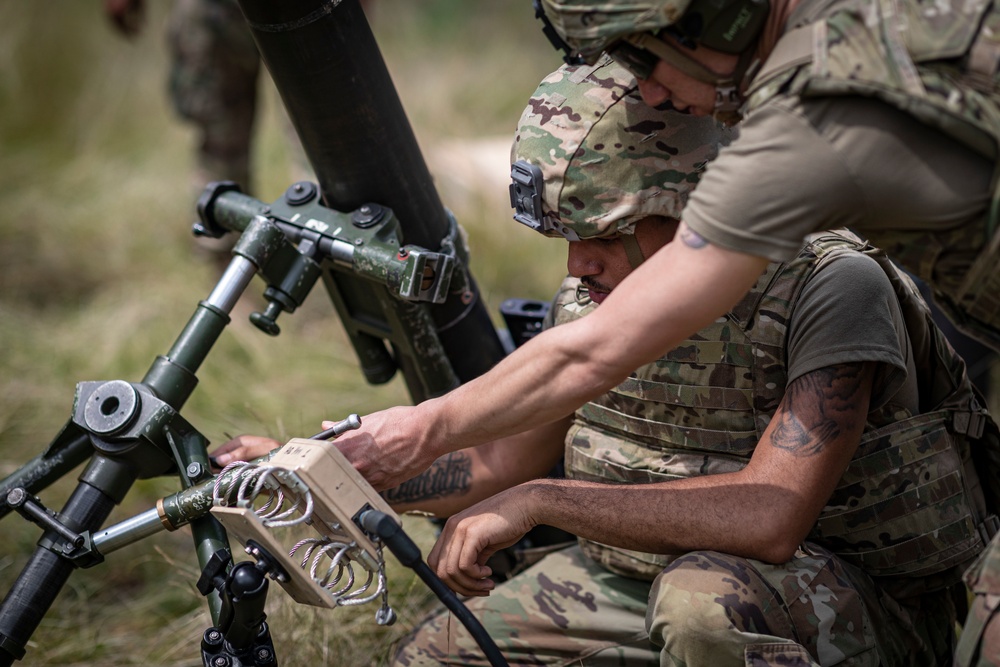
[(469, 539), (126, 15), (388, 449), (243, 448)]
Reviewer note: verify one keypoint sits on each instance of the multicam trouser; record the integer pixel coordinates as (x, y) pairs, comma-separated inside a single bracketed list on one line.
[(705, 608), (213, 84), (979, 645), (708, 608), (562, 611)]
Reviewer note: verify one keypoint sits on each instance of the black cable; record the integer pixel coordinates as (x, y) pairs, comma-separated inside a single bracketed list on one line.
[(407, 553)]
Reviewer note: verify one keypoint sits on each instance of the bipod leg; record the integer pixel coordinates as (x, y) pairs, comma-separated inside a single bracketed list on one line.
[(68, 450), (47, 571)]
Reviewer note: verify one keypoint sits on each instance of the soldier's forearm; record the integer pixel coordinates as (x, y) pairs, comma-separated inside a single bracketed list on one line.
[(460, 479), (439, 490), (674, 293), (724, 512)]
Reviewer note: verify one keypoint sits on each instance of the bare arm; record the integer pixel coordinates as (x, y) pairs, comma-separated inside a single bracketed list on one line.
[(460, 479), (763, 512), (679, 290)]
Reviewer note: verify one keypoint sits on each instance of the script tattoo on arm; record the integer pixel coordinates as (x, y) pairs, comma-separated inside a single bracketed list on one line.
[(819, 406), (449, 475)]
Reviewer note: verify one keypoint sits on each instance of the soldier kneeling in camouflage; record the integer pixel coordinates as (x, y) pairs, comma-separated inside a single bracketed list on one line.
[(790, 486)]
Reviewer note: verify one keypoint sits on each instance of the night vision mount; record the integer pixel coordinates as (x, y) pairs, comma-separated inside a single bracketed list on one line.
[(526, 187), (557, 42)]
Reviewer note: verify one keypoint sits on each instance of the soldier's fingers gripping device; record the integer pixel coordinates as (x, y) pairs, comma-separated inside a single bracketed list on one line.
[(302, 508), (309, 483)]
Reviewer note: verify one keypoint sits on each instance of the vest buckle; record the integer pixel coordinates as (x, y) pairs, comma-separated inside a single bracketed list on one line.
[(969, 424)]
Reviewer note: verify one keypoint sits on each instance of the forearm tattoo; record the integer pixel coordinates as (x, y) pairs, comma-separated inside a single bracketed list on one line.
[(820, 406), (449, 475), (691, 238)]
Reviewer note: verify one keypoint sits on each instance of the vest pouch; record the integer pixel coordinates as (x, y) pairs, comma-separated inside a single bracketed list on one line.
[(888, 37), (933, 32), (902, 508)]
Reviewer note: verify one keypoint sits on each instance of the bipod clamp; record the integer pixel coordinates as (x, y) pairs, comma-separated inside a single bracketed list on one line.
[(242, 638), (60, 539)]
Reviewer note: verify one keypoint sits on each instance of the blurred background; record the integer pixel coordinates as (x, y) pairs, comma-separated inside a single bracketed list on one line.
[(99, 274)]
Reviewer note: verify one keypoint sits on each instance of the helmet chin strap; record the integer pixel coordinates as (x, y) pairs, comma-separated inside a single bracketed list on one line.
[(632, 250), (728, 98)]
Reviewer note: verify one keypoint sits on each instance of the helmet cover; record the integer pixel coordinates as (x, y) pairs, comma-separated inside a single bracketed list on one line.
[(591, 26), (607, 160)]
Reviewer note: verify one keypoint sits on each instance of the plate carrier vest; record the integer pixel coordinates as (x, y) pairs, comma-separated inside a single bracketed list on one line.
[(909, 504)]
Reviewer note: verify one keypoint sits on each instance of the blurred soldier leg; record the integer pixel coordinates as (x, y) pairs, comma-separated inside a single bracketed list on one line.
[(214, 73)]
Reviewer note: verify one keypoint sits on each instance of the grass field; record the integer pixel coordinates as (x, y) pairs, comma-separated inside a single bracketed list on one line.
[(98, 276)]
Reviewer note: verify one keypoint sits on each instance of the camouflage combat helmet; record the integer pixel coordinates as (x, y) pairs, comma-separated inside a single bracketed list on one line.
[(590, 159), (632, 33), (590, 27)]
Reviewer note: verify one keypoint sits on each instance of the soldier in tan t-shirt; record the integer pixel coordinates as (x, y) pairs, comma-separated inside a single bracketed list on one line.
[(742, 455), (689, 283), (881, 117), (899, 95)]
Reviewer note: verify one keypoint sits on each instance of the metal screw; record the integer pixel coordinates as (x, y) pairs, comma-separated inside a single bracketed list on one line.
[(16, 497), (220, 661), (359, 241), (195, 470), (366, 209), (263, 654), (298, 187)]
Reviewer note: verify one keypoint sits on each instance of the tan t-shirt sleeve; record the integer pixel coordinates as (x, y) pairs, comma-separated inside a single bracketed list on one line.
[(799, 167), (848, 313)]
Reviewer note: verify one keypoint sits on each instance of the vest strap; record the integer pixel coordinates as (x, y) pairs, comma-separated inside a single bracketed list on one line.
[(796, 47), (988, 528), (632, 250), (899, 58)]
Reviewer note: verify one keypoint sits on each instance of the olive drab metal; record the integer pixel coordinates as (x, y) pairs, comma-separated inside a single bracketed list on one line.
[(345, 109)]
